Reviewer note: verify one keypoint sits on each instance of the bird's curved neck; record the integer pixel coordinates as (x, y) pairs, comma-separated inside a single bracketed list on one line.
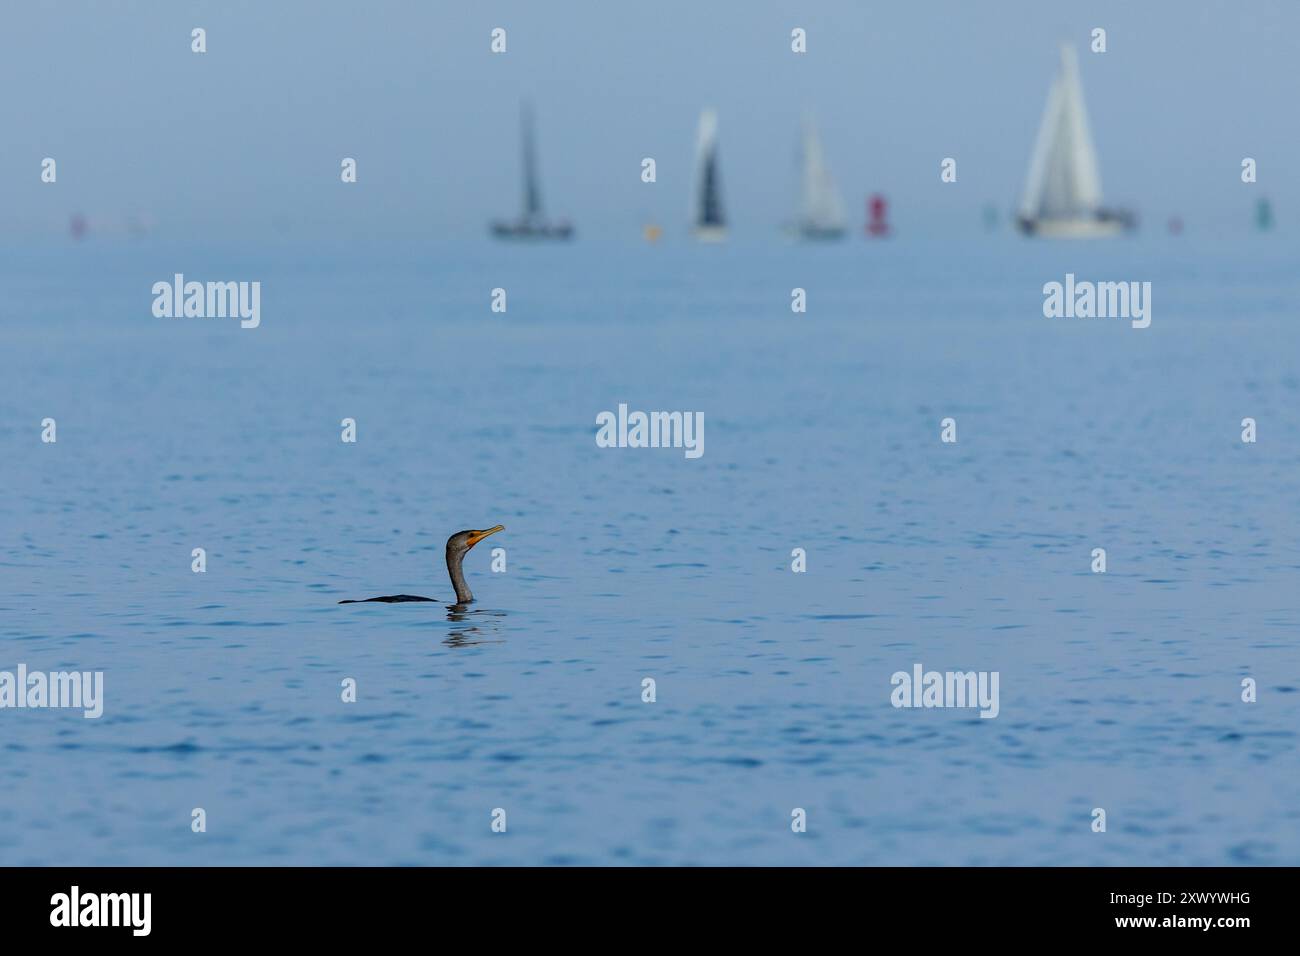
[(463, 593)]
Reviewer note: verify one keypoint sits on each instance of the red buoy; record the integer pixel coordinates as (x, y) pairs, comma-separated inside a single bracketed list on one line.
[(877, 216)]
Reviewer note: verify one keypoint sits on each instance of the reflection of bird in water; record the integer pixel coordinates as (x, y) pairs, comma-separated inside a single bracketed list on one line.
[(458, 546), (467, 636)]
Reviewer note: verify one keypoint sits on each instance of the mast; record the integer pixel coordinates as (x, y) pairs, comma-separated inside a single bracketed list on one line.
[(532, 190)]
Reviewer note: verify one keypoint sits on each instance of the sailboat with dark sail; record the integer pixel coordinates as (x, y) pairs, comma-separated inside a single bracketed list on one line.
[(1062, 197), (821, 213), (708, 223), (532, 223)]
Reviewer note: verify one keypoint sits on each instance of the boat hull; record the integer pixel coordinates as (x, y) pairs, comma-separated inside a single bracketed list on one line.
[(1097, 227), (822, 233), (710, 233), (529, 231)]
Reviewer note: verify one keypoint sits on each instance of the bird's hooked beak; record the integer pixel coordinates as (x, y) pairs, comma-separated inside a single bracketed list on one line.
[(476, 536)]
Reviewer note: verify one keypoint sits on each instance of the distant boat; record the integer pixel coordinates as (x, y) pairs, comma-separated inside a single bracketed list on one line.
[(1263, 215), (878, 217), (651, 232), (1062, 197), (821, 214), (708, 222), (532, 224)]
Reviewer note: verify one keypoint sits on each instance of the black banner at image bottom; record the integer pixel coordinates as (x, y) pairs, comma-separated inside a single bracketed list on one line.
[(364, 904)]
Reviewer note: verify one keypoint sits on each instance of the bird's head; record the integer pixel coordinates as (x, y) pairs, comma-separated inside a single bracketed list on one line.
[(460, 542)]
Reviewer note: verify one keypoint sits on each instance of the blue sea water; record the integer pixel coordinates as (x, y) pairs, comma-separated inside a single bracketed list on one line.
[(1119, 690)]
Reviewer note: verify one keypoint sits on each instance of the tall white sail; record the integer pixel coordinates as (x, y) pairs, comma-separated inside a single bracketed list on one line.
[(821, 210), (707, 217), (1064, 185)]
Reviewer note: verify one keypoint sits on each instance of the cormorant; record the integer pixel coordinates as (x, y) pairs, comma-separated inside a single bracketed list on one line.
[(458, 546)]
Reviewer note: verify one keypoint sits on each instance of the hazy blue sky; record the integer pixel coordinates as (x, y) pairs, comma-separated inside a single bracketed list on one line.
[(249, 136)]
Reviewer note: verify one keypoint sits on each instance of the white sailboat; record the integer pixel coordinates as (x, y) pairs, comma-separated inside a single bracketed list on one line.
[(1062, 197), (821, 213), (708, 221)]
